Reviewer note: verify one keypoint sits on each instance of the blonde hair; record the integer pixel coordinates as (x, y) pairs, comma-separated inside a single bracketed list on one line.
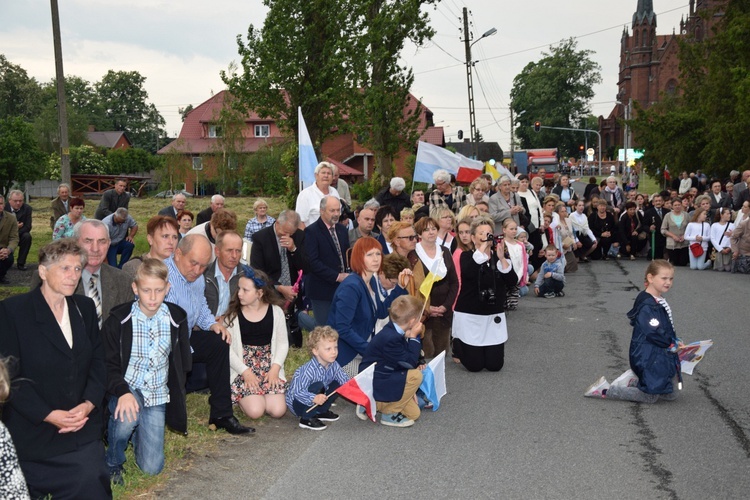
[(319, 334), (404, 308), (154, 268), (4, 380)]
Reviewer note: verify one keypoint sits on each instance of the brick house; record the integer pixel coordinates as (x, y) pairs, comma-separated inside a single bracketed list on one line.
[(108, 139), (649, 63), (199, 140)]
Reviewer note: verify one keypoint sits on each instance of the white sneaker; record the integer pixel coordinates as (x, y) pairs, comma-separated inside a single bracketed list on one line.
[(595, 389), (627, 379), (361, 413)]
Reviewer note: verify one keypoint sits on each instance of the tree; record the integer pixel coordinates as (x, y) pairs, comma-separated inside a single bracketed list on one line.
[(123, 102), (79, 96), (381, 113), (556, 90), (185, 111), (19, 93), (706, 121), (20, 157), (297, 59)]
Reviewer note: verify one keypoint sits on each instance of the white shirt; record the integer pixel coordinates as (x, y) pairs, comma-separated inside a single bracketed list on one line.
[(308, 203)]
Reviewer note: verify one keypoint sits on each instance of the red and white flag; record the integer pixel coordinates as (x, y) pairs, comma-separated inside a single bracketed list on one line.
[(468, 169), (359, 390)]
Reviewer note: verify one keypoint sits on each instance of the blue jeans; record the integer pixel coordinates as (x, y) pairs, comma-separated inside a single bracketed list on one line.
[(148, 437), (301, 410), (124, 248), (550, 285), (320, 311), (699, 262)]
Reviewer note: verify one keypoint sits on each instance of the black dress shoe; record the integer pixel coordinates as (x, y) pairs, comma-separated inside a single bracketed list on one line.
[(4, 281), (21, 267), (231, 425)]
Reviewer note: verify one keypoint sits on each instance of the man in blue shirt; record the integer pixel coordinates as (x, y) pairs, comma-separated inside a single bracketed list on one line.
[(209, 339)]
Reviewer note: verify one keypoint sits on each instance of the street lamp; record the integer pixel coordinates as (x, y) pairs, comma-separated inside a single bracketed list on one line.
[(472, 116)]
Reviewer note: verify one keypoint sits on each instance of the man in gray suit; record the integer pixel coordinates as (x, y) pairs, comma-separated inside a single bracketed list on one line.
[(106, 285), (740, 188)]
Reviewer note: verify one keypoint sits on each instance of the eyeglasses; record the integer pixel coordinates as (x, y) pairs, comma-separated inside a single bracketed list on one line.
[(410, 237)]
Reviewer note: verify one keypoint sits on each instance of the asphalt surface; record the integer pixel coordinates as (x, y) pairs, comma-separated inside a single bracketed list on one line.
[(527, 431)]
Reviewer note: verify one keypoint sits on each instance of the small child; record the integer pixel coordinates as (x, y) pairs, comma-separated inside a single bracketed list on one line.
[(551, 278), (396, 349), (523, 238), (654, 362), (306, 397), (148, 355)]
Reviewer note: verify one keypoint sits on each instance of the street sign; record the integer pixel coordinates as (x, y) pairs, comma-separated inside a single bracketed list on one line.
[(590, 152)]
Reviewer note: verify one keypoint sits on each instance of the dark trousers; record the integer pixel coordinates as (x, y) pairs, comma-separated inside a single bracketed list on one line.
[(209, 348), (535, 238), (6, 264), (80, 474), (24, 245), (660, 244), (679, 256), (124, 249), (477, 358), (320, 311), (600, 252), (636, 245), (301, 409), (551, 285)]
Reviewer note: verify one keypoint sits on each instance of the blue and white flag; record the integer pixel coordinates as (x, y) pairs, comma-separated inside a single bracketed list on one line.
[(307, 159), (431, 158), (433, 380)]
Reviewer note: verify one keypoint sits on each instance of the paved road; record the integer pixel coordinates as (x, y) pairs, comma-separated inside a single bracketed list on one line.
[(528, 432)]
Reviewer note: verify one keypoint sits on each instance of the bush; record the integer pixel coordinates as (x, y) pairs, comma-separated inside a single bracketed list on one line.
[(267, 171)]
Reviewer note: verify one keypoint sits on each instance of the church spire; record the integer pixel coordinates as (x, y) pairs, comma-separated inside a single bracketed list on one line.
[(644, 14)]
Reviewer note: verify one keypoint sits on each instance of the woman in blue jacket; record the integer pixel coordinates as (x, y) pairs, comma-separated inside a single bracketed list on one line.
[(357, 303), (653, 349)]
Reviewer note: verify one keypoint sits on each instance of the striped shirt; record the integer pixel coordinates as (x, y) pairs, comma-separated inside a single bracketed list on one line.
[(663, 302), (149, 356), (190, 297), (310, 372), (253, 226)]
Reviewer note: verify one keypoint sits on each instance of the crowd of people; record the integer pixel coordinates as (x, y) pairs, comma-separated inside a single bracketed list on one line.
[(117, 343)]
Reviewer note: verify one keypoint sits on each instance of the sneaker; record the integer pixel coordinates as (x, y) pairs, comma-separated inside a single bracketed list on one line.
[(596, 389), (361, 413), (328, 416), (312, 423), (396, 420), (632, 257), (560, 294), (549, 295), (115, 477), (627, 379)]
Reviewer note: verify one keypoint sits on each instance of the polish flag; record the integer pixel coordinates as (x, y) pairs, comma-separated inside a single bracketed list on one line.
[(359, 390), (468, 169)]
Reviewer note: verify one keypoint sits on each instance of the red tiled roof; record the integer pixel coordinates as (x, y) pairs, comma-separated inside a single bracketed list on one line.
[(344, 169), (434, 135), (205, 145)]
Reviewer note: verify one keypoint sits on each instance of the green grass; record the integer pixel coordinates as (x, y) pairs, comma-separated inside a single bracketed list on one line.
[(179, 450)]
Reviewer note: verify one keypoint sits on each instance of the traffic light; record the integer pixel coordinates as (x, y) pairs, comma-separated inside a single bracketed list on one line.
[(460, 134), (537, 126), (580, 148)]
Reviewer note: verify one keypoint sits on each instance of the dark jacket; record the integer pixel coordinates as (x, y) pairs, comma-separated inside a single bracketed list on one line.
[(110, 202), (58, 210), (394, 355), (23, 215), (212, 288), (353, 315), (168, 212), (265, 255), (204, 216), (653, 333), (323, 260), (49, 374), (118, 343), (398, 202), (476, 277), (559, 189)]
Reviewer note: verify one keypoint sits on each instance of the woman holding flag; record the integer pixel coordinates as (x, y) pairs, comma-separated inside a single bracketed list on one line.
[(437, 284), (357, 304), (479, 326)]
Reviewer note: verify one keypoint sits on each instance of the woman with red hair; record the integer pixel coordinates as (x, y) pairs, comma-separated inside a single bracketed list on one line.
[(357, 304)]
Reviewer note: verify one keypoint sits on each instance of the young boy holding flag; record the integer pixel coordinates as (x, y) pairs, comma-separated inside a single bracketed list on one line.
[(395, 352)]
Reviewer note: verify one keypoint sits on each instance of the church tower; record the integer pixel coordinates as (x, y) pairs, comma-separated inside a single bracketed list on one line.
[(641, 53)]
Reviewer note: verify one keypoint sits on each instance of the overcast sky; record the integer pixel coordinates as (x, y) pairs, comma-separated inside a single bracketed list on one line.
[(180, 47)]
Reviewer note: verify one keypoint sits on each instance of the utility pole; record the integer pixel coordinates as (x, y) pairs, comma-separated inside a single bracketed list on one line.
[(512, 142), (469, 83), (62, 114)]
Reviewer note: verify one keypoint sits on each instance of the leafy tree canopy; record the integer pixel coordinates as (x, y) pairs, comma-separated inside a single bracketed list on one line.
[(557, 91), (20, 157)]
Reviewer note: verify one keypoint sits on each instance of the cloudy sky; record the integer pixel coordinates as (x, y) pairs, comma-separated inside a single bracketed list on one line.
[(180, 47)]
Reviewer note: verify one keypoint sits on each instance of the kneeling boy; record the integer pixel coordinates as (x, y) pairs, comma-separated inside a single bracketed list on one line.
[(396, 350), (147, 350), (551, 278), (306, 397)]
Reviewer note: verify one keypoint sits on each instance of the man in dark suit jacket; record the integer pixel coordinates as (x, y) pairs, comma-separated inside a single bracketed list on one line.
[(217, 202), (265, 254), (22, 211), (60, 205), (113, 199), (55, 378), (651, 223), (178, 204), (325, 259), (112, 284)]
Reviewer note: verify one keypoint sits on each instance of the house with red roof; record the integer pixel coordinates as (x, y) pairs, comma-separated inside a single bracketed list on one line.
[(200, 142)]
